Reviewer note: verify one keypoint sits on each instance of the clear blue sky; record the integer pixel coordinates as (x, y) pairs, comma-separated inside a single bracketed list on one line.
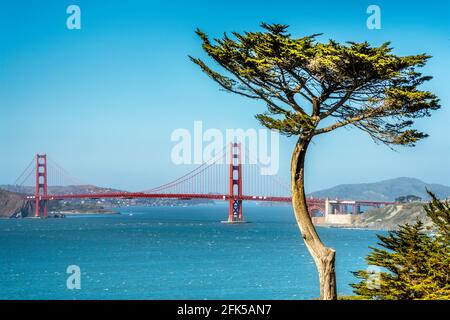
[(102, 101)]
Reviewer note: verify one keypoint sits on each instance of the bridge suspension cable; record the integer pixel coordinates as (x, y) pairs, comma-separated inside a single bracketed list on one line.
[(191, 174), (26, 173), (268, 178), (58, 176)]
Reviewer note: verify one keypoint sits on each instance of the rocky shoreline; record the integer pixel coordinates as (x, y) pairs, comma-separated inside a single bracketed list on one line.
[(391, 217), (388, 218), (90, 212)]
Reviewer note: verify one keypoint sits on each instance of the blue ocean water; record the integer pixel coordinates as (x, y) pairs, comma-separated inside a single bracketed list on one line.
[(171, 253)]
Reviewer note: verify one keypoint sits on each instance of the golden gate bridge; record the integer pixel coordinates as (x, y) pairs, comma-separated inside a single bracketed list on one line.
[(222, 178)]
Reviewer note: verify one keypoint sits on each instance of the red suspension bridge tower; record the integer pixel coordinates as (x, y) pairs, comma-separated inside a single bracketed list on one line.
[(41, 184), (235, 196)]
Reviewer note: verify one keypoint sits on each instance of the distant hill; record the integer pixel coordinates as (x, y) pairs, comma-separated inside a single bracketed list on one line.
[(386, 190), (60, 189)]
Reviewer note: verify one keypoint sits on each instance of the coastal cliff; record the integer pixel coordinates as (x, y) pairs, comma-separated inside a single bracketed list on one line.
[(14, 205)]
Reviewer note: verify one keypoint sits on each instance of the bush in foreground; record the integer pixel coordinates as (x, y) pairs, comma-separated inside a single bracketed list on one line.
[(414, 261)]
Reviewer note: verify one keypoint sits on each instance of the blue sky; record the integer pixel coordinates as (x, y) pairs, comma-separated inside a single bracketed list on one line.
[(102, 101)]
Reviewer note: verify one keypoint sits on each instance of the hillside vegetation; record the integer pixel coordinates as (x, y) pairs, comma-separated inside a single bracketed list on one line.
[(391, 217), (386, 190)]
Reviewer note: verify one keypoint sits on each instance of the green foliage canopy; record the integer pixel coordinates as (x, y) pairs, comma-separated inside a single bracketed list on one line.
[(303, 81)]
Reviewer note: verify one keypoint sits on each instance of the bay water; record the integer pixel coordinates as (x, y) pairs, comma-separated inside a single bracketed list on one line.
[(172, 253)]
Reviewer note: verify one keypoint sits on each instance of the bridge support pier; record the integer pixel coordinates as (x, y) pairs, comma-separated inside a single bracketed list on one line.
[(328, 208), (356, 209), (235, 212), (41, 185)]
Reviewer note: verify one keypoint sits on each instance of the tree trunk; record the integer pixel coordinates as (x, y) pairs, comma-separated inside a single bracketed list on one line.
[(323, 257)]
